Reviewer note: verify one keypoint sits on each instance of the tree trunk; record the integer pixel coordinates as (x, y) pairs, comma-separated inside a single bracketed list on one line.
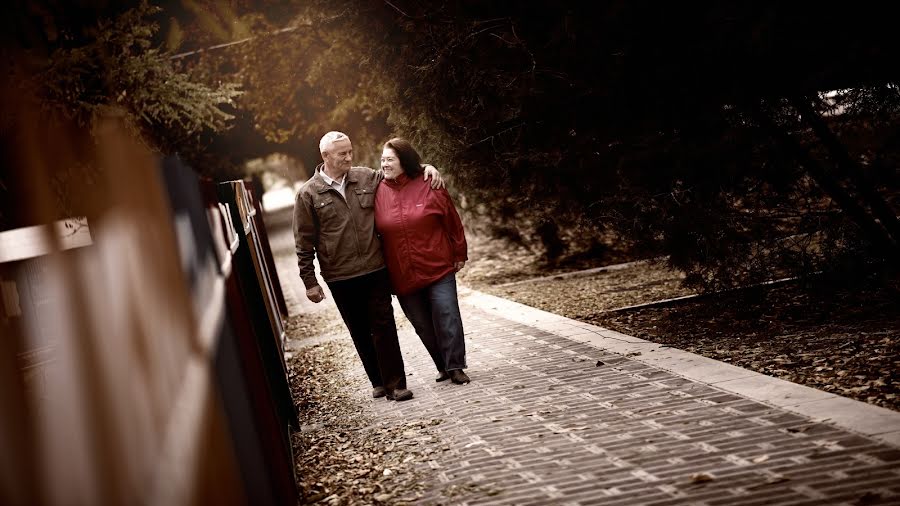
[(847, 166), (554, 246), (879, 237)]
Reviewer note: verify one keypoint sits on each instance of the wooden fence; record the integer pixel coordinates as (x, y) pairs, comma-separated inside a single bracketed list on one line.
[(141, 348)]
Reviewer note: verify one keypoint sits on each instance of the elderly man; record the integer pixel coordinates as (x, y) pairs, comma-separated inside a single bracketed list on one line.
[(334, 219)]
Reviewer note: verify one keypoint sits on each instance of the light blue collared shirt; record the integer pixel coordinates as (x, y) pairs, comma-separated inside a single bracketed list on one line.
[(337, 185)]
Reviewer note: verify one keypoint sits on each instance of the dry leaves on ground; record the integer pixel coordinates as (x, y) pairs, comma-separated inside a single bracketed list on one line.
[(843, 341), (342, 454), (495, 261), (586, 296), (314, 324)]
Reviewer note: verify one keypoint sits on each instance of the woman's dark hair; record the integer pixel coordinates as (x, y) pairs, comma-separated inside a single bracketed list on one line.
[(409, 157)]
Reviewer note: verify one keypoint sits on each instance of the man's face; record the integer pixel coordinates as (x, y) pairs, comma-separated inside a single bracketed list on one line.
[(339, 157), (390, 164)]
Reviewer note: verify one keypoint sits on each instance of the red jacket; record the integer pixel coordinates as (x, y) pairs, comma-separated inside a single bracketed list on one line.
[(421, 233)]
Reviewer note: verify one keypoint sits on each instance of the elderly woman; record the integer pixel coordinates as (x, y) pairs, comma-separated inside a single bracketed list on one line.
[(424, 246)]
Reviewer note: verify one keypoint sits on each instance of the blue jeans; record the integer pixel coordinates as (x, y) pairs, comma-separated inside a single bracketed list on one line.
[(434, 313)]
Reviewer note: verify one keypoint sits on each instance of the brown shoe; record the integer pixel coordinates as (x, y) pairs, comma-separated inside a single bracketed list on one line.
[(443, 376), (458, 376), (378, 392), (400, 394)]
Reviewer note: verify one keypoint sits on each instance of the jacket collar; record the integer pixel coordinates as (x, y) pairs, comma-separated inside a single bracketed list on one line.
[(397, 182), (319, 184)]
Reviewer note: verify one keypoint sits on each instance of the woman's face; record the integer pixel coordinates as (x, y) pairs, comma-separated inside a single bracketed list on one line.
[(390, 164)]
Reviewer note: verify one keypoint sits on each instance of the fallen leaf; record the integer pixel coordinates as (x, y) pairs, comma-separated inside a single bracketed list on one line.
[(698, 478), (316, 497), (868, 498)]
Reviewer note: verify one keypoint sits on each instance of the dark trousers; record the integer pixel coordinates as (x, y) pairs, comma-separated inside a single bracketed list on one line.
[(434, 313), (365, 306)]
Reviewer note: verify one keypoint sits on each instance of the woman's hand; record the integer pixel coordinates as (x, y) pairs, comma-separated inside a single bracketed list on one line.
[(459, 265)]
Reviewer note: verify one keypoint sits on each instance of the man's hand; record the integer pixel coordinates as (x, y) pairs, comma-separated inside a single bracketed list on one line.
[(459, 265), (437, 181), (315, 294)]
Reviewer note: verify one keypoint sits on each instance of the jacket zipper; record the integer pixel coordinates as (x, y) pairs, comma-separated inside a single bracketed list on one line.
[(352, 219)]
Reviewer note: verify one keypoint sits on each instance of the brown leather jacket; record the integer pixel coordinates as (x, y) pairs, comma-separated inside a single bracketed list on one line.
[(340, 232)]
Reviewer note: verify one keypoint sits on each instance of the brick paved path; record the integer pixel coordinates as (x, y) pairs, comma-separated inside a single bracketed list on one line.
[(551, 419), (543, 423)]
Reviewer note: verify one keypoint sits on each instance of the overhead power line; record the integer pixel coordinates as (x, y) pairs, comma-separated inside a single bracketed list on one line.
[(236, 42)]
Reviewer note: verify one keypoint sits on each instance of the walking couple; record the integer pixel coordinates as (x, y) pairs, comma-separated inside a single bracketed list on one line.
[(382, 232)]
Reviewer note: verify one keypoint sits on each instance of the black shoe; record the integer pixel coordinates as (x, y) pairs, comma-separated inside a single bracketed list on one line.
[(400, 394), (458, 376), (378, 392), (443, 376)]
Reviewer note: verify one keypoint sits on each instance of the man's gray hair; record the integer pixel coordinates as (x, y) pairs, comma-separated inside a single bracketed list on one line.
[(330, 138)]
